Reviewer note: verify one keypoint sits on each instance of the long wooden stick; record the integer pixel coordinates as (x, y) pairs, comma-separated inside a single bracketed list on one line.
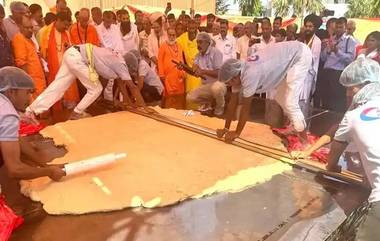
[(311, 166)]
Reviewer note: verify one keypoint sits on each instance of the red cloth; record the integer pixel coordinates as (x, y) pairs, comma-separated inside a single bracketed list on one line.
[(29, 129), (294, 144), (9, 221)]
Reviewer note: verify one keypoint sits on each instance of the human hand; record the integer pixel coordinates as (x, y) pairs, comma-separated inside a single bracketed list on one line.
[(299, 154), (221, 132), (231, 136), (56, 172), (29, 118)]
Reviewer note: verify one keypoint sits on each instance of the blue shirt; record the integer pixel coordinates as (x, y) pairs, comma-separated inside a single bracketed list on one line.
[(346, 46), (211, 60)]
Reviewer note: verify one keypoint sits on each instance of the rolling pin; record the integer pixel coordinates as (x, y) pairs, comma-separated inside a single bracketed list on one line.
[(92, 163)]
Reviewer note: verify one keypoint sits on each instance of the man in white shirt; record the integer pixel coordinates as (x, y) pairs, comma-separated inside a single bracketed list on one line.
[(243, 42), (361, 126), (225, 42), (109, 33), (265, 40), (129, 34)]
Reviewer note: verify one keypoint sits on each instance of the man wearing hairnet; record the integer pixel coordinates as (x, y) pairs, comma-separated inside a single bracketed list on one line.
[(206, 66), (283, 66), (361, 126), (86, 62), (15, 91)]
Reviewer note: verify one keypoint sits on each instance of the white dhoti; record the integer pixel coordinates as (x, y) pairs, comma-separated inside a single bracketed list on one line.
[(73, 66), (289, 91)]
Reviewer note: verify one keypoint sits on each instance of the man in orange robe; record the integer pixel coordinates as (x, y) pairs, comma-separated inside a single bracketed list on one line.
[(82, 32), (54, 40), (26, 57)]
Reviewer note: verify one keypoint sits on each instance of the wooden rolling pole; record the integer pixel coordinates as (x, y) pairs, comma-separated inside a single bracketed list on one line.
[(277, 154)]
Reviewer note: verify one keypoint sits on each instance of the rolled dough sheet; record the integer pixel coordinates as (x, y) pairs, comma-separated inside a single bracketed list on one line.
[(165, 165)]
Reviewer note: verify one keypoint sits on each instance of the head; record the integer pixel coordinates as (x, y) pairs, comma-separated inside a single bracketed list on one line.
[(157, 26), (358, 74), (372, 41), (210, 20), (198, 19), (138, 16), (277, 23), (236, 31), (36, 13), (203, 42), (132, 64), (248, 29), (312, 22), (215, 28), (266, 29), (171, 20), (279, 35), (76, 16), (291, 31), (50, 18), (97, 15), (340, 26), (179, 29), (192, 29), (322, 34), (136, 53), (230, 72), (120, 13), (108, 19), (61, 6), (224, 29), (172, 35), (18, 10), (351, 27), (63, 21), (330, 26), (146, 24), (125, 23), (17, 86), (84, 17), (26, 27)]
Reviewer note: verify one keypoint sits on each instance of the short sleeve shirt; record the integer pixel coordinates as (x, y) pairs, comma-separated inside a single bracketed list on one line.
[(108, 63), (266, 68), (150, 77), (9, 120), (361, 127), (211, 60)]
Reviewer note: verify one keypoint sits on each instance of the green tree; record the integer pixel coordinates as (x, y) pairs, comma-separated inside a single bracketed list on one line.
[(363, 8), (250, 7), (221, 7), (298, 7)]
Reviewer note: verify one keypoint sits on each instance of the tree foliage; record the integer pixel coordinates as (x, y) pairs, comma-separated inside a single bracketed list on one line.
[(250, 7), (221, 7), (363, 8), (298, 7)]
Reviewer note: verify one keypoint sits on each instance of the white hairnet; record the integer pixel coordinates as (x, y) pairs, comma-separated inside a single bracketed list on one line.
[(360, 71), (14, 78), (204, 36), (366, 93), (230, 69), (131, 61), (136, 53)]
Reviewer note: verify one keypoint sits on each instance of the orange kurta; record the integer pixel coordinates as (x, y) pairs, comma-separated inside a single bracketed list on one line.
[(53, 45), (25, 54), (80, 35), (173, 78)]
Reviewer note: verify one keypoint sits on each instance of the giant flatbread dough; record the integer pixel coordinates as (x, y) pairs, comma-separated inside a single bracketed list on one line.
[(165, 165)]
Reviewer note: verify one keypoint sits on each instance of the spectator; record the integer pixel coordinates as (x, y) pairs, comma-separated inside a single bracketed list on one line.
[(11, 23), (49, 18), (76, 16), (128, 33), (312, 22), (82, 32), (61, 6), (215, 30), (109, 33), (188, 43), (179, 29), (371, 48), (97, 16), (206, 66), (330, 26), (143, 35), (54, 40), (225, 42), (171, 20), (185, 22), (243, 42), (37, 17), (210, 21), (139, 20), (337, 54), (238, 30), (198, 20), (277, 23), (6, 58), (265, 40), (291, 32), (156, 38), (351, 28), (170, 75), (26, 56), (279, 35)]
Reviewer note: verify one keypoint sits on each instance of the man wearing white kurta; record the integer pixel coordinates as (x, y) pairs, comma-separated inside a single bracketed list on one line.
[(225, 43), (311, 24)]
